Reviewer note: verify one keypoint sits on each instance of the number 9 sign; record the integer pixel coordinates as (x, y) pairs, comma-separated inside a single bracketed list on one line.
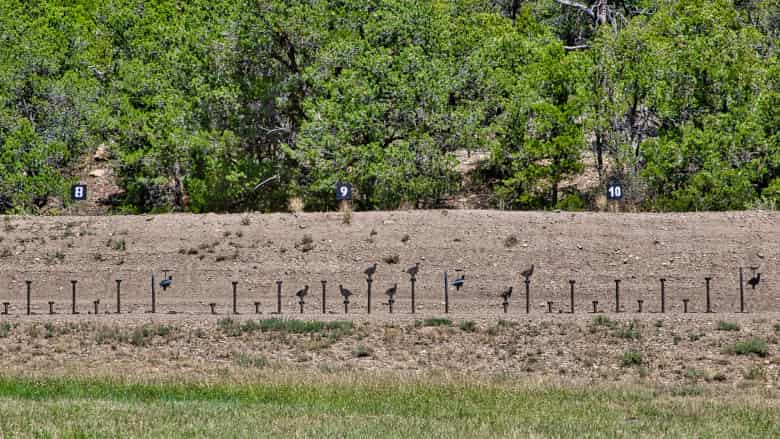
[(343, 191)]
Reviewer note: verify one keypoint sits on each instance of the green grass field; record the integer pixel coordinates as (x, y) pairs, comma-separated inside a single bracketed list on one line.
[(365, 408)]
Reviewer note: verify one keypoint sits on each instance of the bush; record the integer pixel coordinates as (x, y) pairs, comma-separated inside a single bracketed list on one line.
[(631, 358), (5, 329), (754, 346), (603, 322), (436, 321), (255, 361), (361, 351), (727, 326), (468, 326), (754, 373), (628, 332), (333, 329)]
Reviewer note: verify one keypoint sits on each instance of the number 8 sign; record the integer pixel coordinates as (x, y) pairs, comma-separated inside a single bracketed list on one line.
[(78, 192), (343, 191)]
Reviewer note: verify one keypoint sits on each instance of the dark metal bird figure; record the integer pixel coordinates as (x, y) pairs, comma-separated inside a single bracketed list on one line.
[(527, 272), (166, 282), (345, 292), (391, 292), (457, 283), (391, 296), (506, 294), (753, 281), (370, 271), (302, 293), (413, 270)]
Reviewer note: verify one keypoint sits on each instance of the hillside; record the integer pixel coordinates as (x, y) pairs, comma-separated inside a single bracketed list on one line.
[(206, 252), (197, 102)]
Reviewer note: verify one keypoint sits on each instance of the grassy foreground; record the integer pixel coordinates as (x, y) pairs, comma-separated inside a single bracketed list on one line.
[(105, 408)]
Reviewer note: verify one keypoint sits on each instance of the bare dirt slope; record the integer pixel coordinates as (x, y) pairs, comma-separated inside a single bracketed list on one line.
[(207, 252)]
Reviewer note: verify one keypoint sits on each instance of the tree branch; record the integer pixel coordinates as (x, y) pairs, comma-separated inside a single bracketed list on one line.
[(579, 6), (579, 47)]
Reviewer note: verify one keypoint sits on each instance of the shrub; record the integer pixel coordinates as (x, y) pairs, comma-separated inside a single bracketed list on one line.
[(138, 339), (392, 259), (754, 346), (604, 321), (335, 329), (107, 334), (754, 373), (631, 358), (361, 351), (436, 321), (727, 326), (468, 326), (246, 360), (628, 332), (5, 329), (117, 244)]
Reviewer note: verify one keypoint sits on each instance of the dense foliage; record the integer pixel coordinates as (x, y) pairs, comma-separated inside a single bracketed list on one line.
[(199, 101)]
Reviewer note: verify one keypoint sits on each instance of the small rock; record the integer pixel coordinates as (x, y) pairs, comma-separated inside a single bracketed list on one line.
[(579, 247), (101, 154)]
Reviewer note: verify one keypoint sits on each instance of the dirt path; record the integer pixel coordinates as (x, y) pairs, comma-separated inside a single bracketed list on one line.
[(206, 252)]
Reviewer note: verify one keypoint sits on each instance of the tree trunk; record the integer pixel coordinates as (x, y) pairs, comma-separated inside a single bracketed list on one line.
[(600, 155), (602, 12)]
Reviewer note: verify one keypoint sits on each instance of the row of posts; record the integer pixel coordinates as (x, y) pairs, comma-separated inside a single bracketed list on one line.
[(527, 282), (640, 302)]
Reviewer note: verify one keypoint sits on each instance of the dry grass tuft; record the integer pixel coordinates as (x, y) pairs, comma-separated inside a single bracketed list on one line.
[(295, 205)]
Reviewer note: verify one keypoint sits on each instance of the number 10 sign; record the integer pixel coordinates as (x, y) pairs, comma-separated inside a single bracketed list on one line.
[(614, 190)]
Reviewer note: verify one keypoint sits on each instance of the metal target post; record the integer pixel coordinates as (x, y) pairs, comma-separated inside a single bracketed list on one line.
[(154, 296), (118, 296), (741, 291), (413, 280), (235, 297), (446, 295), (29, 283), (571, 295), (369, 281), (278, 297), (73, 302), (324, 286)]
